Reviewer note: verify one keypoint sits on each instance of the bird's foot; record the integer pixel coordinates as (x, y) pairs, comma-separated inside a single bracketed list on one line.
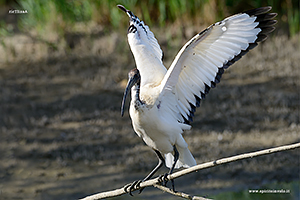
[(129, 188), (163, 180)]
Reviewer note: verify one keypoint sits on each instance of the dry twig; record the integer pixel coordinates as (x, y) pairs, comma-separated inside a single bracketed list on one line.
[(156, 183)]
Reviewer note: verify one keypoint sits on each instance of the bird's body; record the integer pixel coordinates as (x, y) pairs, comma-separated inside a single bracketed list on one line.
[(158, 127), (164, 101)]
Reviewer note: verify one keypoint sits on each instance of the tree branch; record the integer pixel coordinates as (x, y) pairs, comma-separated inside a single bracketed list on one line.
[(179, 194), (156, 182)]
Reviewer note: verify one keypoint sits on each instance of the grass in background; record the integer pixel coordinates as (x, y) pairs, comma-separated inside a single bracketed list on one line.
[(64, 13), (293, 17), (51, 21)]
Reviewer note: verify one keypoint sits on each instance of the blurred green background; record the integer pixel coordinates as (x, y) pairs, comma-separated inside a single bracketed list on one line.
[(60, 24), (61, 16)]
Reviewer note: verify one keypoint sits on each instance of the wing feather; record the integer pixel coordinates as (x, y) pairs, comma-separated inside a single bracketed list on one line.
[(200, 63), (143, 32), (146, 50)]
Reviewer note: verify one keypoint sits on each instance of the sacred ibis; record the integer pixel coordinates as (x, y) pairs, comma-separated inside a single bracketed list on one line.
[(163, 101)]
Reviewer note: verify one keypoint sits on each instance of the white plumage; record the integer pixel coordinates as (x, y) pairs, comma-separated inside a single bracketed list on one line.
[(164, 101)]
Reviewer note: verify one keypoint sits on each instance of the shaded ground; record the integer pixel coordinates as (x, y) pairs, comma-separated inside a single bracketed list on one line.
[(62, 136)]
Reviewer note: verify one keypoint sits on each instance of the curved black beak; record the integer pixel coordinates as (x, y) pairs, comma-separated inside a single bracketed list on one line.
[(132, 80)]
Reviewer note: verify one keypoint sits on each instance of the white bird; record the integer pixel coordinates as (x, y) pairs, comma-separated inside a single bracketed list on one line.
[(163, 101)]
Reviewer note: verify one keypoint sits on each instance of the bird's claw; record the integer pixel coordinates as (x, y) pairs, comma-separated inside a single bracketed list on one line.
[(129, 188), (163, 180)]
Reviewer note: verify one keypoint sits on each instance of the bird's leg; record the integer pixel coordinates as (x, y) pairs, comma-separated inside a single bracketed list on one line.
[(165, 178), (136, 184), (161, 161)]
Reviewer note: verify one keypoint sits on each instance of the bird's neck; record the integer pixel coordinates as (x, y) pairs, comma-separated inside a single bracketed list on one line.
[(135, 92)]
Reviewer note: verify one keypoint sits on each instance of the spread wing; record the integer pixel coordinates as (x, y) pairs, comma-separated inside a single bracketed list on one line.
[(146, 50), (201, 62)]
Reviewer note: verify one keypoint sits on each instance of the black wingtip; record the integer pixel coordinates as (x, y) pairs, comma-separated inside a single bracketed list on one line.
[(258, 11), (128, 12), (122, 8)]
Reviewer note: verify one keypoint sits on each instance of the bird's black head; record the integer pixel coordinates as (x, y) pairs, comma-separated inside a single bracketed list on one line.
[(134, 74)]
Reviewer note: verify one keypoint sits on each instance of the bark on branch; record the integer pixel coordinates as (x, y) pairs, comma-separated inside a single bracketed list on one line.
[(156, 183)]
